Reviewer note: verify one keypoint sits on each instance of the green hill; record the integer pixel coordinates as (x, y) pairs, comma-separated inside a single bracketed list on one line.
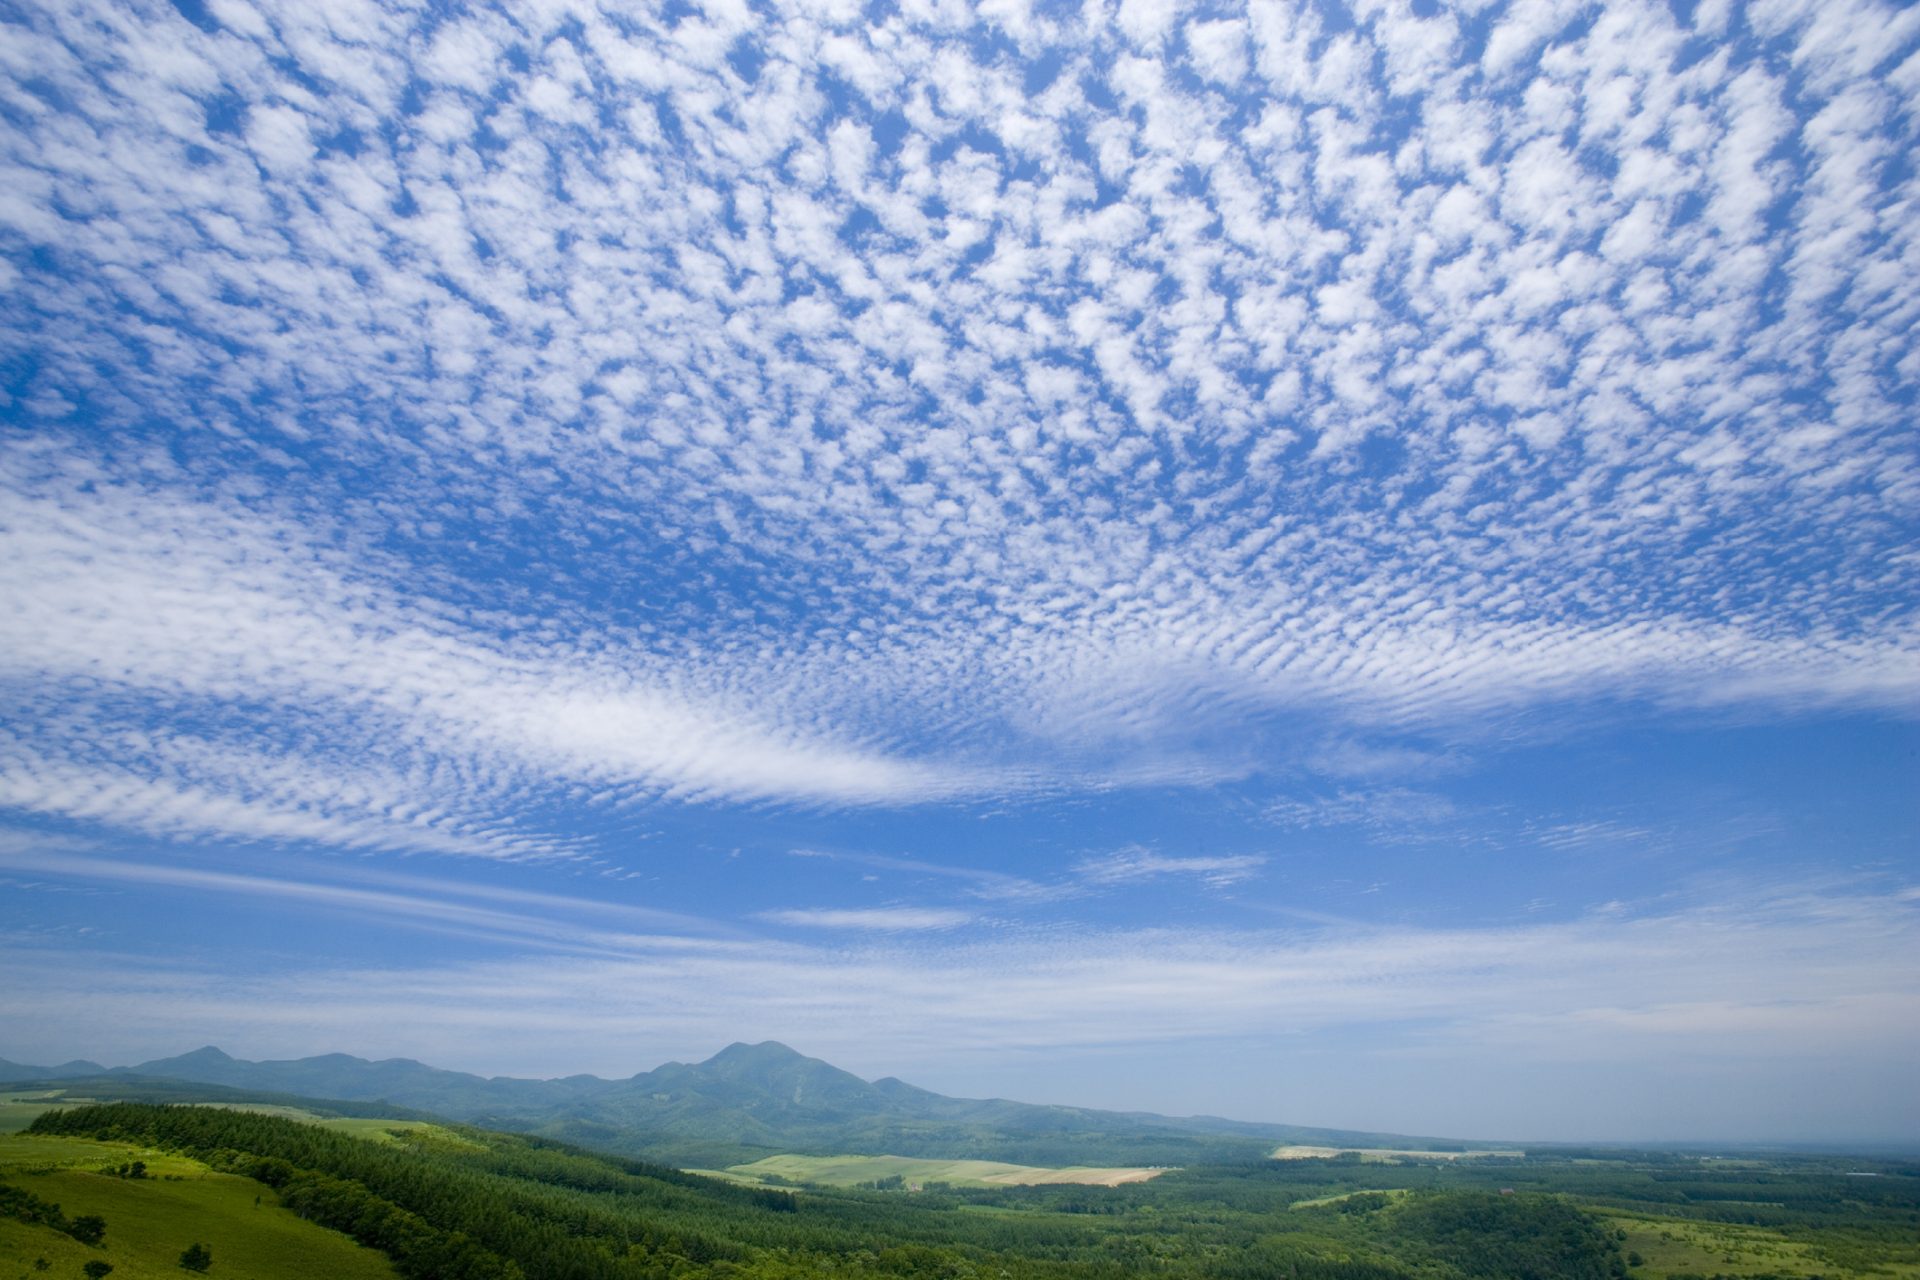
[(152, 1220)]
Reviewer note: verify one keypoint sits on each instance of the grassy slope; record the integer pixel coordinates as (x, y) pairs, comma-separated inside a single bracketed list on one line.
[(1690, 1247), (150, 1221)]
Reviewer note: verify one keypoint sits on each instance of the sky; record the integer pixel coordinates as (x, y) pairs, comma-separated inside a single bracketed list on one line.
[(1342, 564)]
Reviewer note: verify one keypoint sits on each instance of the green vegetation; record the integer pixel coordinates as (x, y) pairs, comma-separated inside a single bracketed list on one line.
[(18, 1110), (449, 1201), (148, 1222)]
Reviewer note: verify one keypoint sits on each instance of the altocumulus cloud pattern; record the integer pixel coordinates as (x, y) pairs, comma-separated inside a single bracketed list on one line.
[(415, 412)]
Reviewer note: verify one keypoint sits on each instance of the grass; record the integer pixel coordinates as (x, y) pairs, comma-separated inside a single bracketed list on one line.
[(373, 1129), (414, 1132), (851, 1171), (1392, 1193), (27, 1155), (18, 1110), (151, 1220), (1687, 1246)]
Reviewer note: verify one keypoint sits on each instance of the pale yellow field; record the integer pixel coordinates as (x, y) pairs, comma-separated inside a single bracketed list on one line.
[(1386, 1153), (851, 1171)]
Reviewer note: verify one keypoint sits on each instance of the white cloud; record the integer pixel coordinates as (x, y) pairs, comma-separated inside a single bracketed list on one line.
[(1381, 386), (198, 605)]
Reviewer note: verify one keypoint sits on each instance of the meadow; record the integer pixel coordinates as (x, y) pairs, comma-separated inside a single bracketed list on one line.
[(151, 1220), (20, 1108), (1669, 1247)]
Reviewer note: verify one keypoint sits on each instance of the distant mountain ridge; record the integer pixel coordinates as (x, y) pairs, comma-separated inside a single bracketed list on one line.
[(747, 1100)]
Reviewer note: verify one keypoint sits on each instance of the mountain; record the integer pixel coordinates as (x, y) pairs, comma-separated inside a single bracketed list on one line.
[(400, 1080), (744, 1102), (15, 1071)]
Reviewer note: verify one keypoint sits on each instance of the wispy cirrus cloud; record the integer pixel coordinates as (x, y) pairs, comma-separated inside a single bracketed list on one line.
[(870, 919), (980, 882), (1135, 863), (519, 918)]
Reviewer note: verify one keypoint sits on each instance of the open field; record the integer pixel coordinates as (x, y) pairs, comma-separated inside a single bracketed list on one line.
[(151, 1220), (1670, 1246), (18, 1109), (30, 1155), (852, 1171), (373, 1129), (1393, 1193), (1385, 1153)]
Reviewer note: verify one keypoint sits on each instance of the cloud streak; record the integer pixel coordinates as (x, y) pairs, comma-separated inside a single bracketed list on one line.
[(1137, 864), (869, 919), (520, 919)]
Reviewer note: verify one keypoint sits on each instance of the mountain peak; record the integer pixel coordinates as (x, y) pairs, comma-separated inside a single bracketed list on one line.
[(205, 1053), (766, 1053)]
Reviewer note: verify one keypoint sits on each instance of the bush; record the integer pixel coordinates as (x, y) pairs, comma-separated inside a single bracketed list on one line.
[(197, 1257)]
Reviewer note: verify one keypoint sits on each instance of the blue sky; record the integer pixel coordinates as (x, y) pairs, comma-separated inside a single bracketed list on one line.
[(1341, 564)]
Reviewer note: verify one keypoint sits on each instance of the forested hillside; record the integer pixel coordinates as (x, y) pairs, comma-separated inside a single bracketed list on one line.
[(486, 1206)]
